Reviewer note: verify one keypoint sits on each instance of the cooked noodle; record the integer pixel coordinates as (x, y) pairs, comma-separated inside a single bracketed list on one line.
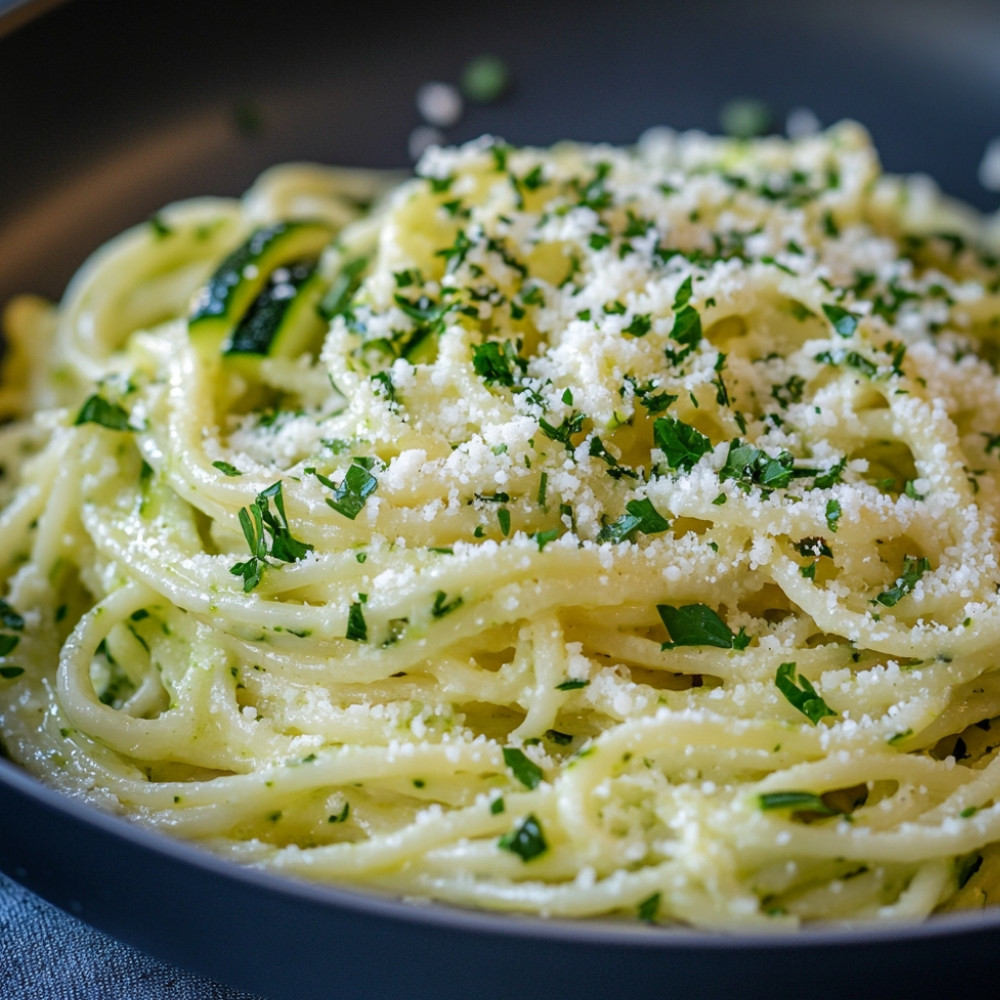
[(611, 531)]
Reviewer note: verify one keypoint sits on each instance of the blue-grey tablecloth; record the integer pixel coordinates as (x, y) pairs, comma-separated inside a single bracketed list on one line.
[(46, 954)]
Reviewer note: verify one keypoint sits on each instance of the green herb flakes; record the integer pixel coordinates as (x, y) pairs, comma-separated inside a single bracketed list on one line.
[(913, 569), (442, 606), (525, 770), (681, 444), (699, 625), (10, 618), (497, 363), (833, 513), (357, 627), (526, 841), (800, 693), (641, 516), (358, 484), (649, 908), (340, 817), (267, 534), (97, 410), (752, 467), (798, 801), (843, 322)]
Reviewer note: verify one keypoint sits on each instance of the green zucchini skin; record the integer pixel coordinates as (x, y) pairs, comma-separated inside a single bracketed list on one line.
[(279, 321), (242, 301)]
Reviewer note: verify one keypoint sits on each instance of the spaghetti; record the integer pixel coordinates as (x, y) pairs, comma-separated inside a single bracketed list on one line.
[(576, 531)]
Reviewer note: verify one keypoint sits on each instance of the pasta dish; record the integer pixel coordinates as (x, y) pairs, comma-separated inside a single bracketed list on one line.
[(575, 531)]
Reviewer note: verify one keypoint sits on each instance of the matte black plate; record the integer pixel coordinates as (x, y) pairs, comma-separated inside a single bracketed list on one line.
[(111, 108)]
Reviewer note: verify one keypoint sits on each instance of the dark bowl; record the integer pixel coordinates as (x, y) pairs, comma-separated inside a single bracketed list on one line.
[(111, 108)]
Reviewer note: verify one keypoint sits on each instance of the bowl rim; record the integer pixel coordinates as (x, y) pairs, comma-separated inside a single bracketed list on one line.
[(112, 828)]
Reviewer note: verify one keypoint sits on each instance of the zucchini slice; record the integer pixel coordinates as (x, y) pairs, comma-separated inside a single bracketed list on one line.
[(225, 299), (284, 320)]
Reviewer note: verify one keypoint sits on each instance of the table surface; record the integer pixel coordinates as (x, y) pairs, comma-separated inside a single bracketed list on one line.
[(46, 954)]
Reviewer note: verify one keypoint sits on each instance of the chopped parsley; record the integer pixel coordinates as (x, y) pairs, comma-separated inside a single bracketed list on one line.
[(833, 512), (97, 410), (913, 569), (800, 693), (615, 470), (966, 867), (340, 817), (640, 515), (497, 363), (649, 908), (503, 517), (789, 392), (337, 446), (161, 229), (685, 331), (699, 625), (812, 547), (525, 770), (850, 358), (526, 841), (358, 484), (563, 433), (832, 476), (799, 801), (654, 402), (681, 444), (342, 288), (841, 320), (259, 525), (442, 606), (10, 618), (357, 627), (544, 537), (543, 483), (385, 388), (639, 325), (751, 466)]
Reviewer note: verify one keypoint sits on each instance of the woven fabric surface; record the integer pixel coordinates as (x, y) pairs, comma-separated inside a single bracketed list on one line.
[(46, 954)]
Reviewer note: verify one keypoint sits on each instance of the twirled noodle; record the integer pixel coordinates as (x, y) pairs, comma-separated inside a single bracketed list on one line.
[(621, 540)]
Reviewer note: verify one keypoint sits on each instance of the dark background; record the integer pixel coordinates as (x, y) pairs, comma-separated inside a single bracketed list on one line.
[(111, 108)]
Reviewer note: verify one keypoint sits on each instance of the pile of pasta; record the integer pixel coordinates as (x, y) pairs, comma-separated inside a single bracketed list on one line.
[(581, 531)]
